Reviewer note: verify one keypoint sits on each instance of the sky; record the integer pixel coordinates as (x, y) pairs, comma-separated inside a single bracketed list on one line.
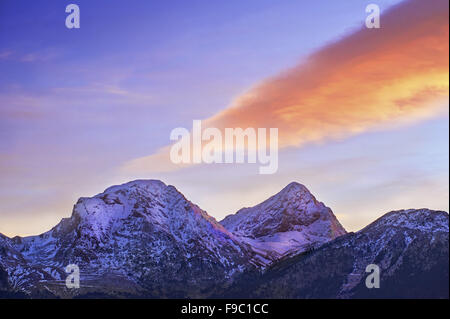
[(362, 113)]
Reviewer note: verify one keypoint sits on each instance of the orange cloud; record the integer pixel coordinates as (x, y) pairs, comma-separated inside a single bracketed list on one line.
[(370, 78)]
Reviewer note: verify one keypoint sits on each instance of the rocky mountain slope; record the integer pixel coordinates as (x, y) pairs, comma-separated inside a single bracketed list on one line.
[(142, 237), (145, 239), (17, 277), (409, 246), (289, 222)]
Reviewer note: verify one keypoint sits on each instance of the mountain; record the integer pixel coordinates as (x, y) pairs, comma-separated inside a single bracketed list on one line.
[(142, 237), (16, 275), (409, 246), (145, 239), (289, 222)]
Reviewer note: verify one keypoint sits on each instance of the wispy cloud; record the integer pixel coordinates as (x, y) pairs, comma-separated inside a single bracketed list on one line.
[(30, 57), (369, 79), (5, 54)]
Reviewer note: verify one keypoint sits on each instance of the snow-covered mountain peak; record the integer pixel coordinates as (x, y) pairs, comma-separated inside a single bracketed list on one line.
[(418, 219), (141, 230), (144, 238), (150, 201), (290, 209), (99, 214), (144, 184), (290, 221), (294, 188)]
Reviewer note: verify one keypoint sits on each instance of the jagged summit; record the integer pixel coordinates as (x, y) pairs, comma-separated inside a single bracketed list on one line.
[(410, 247), (294, 186), (292, 192), (422, 219), (141, 231), (153, 184), (145, 239), (160, 204), (290, 221)]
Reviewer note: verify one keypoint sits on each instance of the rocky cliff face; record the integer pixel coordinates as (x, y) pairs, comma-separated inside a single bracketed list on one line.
[(139, 237), (17, 277), (289, 222), (409, 246), (145, 239)]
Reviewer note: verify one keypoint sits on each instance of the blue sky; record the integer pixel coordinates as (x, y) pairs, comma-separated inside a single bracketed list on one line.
[(75, 105)]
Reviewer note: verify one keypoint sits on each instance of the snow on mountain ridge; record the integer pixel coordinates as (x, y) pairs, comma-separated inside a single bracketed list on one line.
[(141, 233), (146, 236), (289, 222), (419, 219), (153, 200), (411, 248), (161, 205)]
